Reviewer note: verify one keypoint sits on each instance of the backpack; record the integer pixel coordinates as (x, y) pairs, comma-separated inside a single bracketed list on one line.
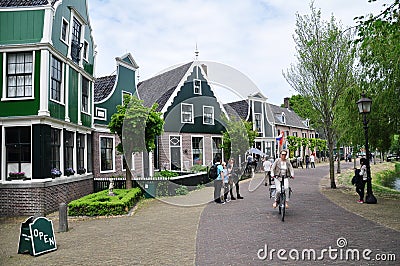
[(213, 172), (356, 178)]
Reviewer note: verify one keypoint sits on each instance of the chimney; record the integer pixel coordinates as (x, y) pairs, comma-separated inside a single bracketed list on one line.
[(286, 102)]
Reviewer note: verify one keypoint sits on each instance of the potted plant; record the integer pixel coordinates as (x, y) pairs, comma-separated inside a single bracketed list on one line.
[(55, 173), (69, 171), (16, 175), (81, 171)]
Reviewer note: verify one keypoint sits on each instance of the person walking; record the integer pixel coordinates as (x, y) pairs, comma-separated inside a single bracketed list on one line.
[(226, 182), (234, 174), (282, 167), (312, 160), (360, 183), (267, 170), (218, 181)]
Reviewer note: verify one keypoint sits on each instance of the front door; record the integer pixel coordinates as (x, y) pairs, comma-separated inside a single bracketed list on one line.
[(175, 151)]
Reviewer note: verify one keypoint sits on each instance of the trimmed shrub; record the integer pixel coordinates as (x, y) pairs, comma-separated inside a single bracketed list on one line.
[(181, 190), (100, 203)]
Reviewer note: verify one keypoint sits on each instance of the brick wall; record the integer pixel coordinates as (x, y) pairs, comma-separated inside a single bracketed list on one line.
[(28, 198)]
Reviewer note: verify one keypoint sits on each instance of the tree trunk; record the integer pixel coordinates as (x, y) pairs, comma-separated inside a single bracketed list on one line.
[(338, 161), (331, 162)]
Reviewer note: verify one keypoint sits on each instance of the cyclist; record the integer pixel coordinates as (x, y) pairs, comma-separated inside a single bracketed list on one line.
[(282, 167)]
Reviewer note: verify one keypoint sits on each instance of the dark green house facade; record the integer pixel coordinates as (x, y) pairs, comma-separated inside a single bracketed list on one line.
[(46, 106)]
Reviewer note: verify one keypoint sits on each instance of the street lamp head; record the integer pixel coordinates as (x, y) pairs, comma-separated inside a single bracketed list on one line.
[(364, 104)]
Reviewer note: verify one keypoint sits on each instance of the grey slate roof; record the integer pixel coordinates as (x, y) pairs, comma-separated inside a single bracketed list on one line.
[(159, 89), (292, 119), (241, 108), (18, 3), (103, 86)]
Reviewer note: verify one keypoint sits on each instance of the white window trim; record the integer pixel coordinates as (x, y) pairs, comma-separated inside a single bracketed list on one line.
[(62, 92), (283, 118), (203, 148), (261, 122), (212, 108), (194, 87), (66, 33), (122, 95), (4, 96), (178, 146), (85, 55), (99, 117), (89, 95), (113, 155), (192, 116)]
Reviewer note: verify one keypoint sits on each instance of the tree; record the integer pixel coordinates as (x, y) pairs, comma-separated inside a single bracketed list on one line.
[(303, 107), (137, 127), (238, 137), (323, 71), (379, 51)]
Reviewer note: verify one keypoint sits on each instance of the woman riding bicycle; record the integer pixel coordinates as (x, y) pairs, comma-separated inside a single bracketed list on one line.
[(282, 167)]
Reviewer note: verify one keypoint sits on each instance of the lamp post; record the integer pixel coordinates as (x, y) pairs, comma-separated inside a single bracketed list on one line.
[(364, 107)]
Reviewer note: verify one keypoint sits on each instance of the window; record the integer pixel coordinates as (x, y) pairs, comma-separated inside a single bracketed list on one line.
[(186, 113), (101, 113), (85, 94), (304, 135), (257, 122), (80, 151), (19, 75), (55, 144), (295, 134), (85, 50), (18, 148), (216, 147), (283, 118), (197, 86), (89, 153), (197, 150), (68, 150), (208, 115), (55, 80), (76, 41), (64, 30), (106, 154)]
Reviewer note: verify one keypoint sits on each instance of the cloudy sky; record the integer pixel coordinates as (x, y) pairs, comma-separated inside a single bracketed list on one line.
[(252, 36)]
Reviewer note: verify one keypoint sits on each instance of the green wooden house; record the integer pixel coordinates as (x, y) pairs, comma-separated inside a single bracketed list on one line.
[(109, 92), (192, 114), (46, 106)]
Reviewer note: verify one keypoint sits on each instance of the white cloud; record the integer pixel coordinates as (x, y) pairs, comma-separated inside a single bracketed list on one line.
[(254, 36)]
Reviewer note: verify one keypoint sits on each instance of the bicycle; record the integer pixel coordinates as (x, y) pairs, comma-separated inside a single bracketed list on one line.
[(281, 201)]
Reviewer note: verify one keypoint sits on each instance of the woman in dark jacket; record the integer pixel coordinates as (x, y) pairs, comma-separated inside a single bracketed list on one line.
[(362, 179)]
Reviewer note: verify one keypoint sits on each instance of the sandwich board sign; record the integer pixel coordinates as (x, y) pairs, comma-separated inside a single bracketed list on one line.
[(39, 238)]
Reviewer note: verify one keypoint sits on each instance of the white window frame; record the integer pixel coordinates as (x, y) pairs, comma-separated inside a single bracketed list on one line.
[(66, 32), (212, 108), (191, 113), (283, 118), (202, 148), (101, 110), (5, 83), (62, 91), (85, 50), (261, 122), (196, 87)]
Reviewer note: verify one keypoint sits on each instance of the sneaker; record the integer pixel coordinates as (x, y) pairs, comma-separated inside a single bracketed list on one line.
[(274, 204), (223, 202), (227, 200), (360, 201)]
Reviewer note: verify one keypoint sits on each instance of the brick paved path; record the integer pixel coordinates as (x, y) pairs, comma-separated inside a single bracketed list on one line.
[(233, 233)]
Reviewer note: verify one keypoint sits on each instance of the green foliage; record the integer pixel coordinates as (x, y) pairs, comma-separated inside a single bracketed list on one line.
[(101, 204), (198, 168), (238, 137), (162, 188), (302, 106), (166, 174), (181, 190)]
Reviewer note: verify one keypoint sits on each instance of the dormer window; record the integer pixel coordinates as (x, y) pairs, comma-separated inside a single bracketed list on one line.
[(307, 122), (283, 118), (197, 86), (257, 122)]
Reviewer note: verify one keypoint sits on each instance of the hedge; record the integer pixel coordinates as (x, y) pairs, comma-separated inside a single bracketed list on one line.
[(99, 204)]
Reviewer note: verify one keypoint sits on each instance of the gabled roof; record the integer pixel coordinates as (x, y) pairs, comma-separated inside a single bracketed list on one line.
[(103, 86), (292, 119), (18, 3), (159, 89)]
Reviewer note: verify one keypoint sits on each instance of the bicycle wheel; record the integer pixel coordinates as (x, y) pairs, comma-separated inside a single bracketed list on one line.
[(282, 206)]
